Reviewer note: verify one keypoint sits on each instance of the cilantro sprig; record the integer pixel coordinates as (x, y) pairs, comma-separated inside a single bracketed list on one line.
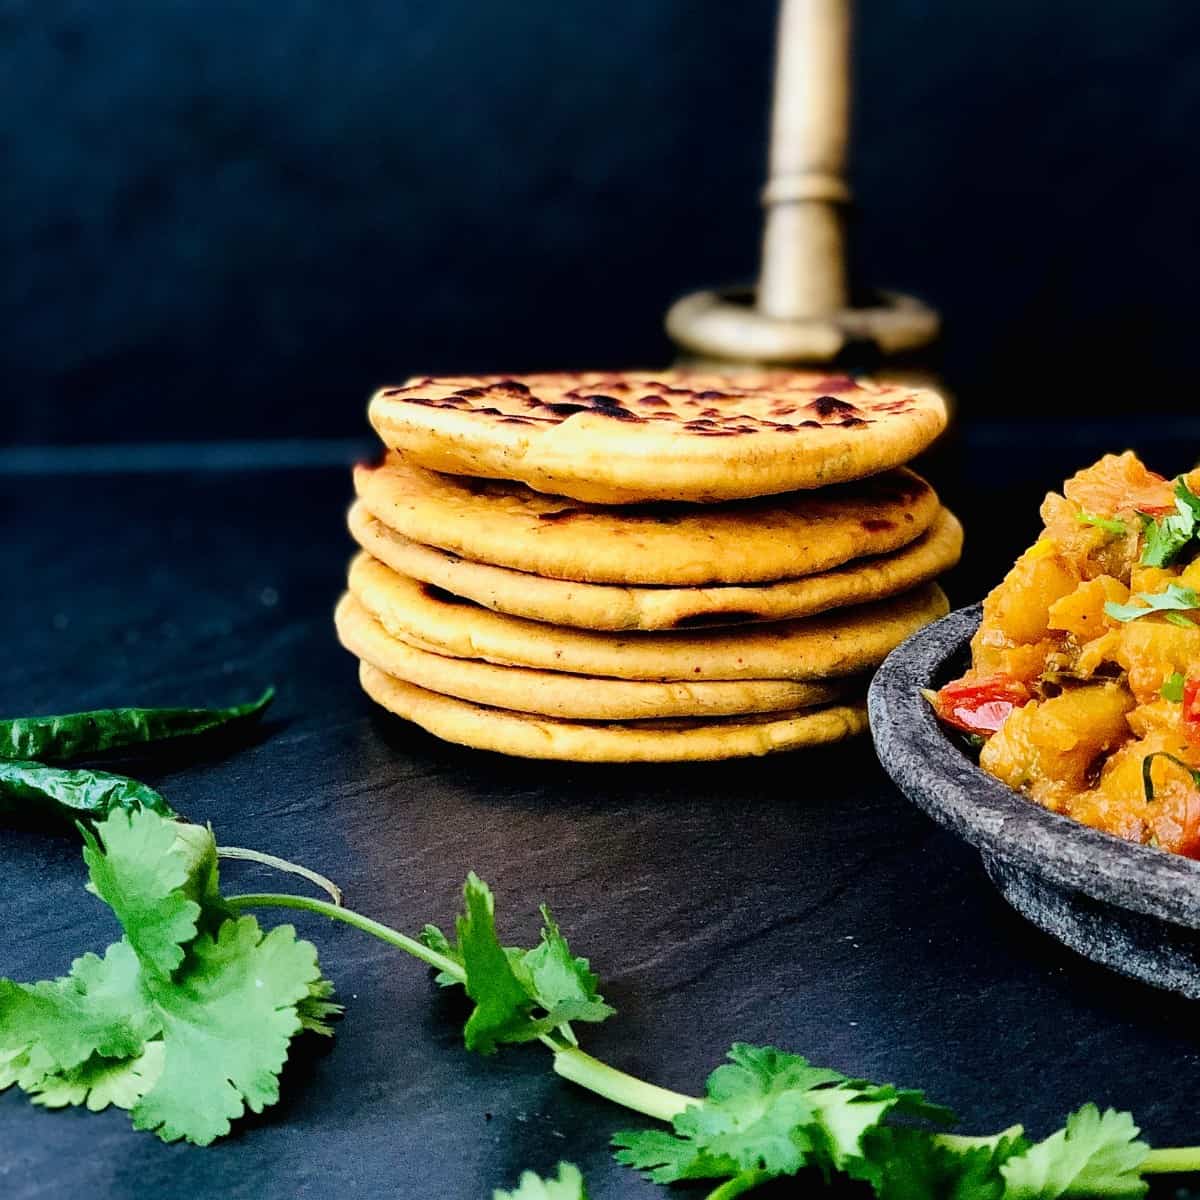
[(1167, 537), (1171, 604), (766, 1113), (187, 1019), (519, 995)]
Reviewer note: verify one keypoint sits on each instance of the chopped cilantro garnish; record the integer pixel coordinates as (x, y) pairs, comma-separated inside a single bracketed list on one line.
[(1172, 602), (1167, 537), (1108, 524), (1148, 776), (1172, 689)]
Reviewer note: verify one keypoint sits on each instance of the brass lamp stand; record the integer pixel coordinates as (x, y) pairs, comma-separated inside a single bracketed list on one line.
[(802, 311)]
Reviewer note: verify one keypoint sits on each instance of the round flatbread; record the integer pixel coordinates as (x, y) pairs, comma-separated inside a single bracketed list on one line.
[(619, 438), (603, 606), (574, 697), (510, 526), (824, 647), (525, 736)]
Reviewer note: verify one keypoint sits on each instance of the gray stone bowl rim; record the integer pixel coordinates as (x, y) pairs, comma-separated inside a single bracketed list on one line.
[(939, 776)]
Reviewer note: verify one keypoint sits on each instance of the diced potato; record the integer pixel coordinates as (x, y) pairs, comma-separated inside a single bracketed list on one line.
[(1018, 610), (1190, 576), (1051, 746), (1024, 663), (1156, 718), (1171, 820), (1099, 652), (1117, 484), (1082, 612), (1151, 579), (1151, 650)]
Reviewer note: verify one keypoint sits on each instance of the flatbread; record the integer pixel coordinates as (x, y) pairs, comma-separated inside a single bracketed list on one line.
[(603, 606), (621, 437), (575, 697), (824, 647), (526, 736), (508, 525)]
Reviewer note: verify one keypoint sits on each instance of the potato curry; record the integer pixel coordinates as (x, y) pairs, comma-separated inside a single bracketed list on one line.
[(1084, 686)]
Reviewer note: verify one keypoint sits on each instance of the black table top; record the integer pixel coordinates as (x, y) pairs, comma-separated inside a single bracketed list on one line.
[(796, 900)]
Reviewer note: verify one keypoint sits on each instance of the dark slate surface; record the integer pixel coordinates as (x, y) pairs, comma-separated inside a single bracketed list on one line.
[(798, 900)]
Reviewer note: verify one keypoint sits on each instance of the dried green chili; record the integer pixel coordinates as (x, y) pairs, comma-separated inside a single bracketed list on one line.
[(72, 735), (73, 793)]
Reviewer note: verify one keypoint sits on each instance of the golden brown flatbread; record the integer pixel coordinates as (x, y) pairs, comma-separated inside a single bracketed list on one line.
[(683, 435), (611, 607), (573, 697), (676, 545), (825, 647), (527, 736)]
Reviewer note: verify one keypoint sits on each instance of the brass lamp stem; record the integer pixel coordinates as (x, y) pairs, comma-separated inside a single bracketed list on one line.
[(801, 311), (804, 257)]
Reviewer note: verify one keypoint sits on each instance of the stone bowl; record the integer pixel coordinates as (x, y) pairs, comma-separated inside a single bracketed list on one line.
[(1132, 908)]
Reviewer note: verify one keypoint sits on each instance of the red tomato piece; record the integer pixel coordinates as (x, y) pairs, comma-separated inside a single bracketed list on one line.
[(1191, 709), (980, 706)]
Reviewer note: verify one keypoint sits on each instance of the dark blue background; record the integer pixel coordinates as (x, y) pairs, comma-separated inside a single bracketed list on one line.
[(232, 219)]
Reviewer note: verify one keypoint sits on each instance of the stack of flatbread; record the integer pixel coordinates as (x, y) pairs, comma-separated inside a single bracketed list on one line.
[(642, 567)]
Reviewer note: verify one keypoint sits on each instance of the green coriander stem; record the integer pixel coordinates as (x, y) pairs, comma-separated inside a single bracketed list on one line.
[(1171, 1160), (335, 913), (572, 1063), (240, 853), (744, 1182)]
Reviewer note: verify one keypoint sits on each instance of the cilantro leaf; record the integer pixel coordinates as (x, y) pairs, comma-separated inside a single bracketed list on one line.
[(1096, 1154), (562, 984), (99, 1081), (188, 1018), (1167, 536), (317, 1009), (665, 1158), (567, 1184), (57, 1025), (1172, 688), (912, 1165), (139, 868), (1174, 600), (773, 1112), (502, 1004), (435, 939), (226, 1033), (510, 985)]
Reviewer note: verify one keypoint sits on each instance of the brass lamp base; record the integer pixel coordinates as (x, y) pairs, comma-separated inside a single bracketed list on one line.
[(727, 325), (803, 310)]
